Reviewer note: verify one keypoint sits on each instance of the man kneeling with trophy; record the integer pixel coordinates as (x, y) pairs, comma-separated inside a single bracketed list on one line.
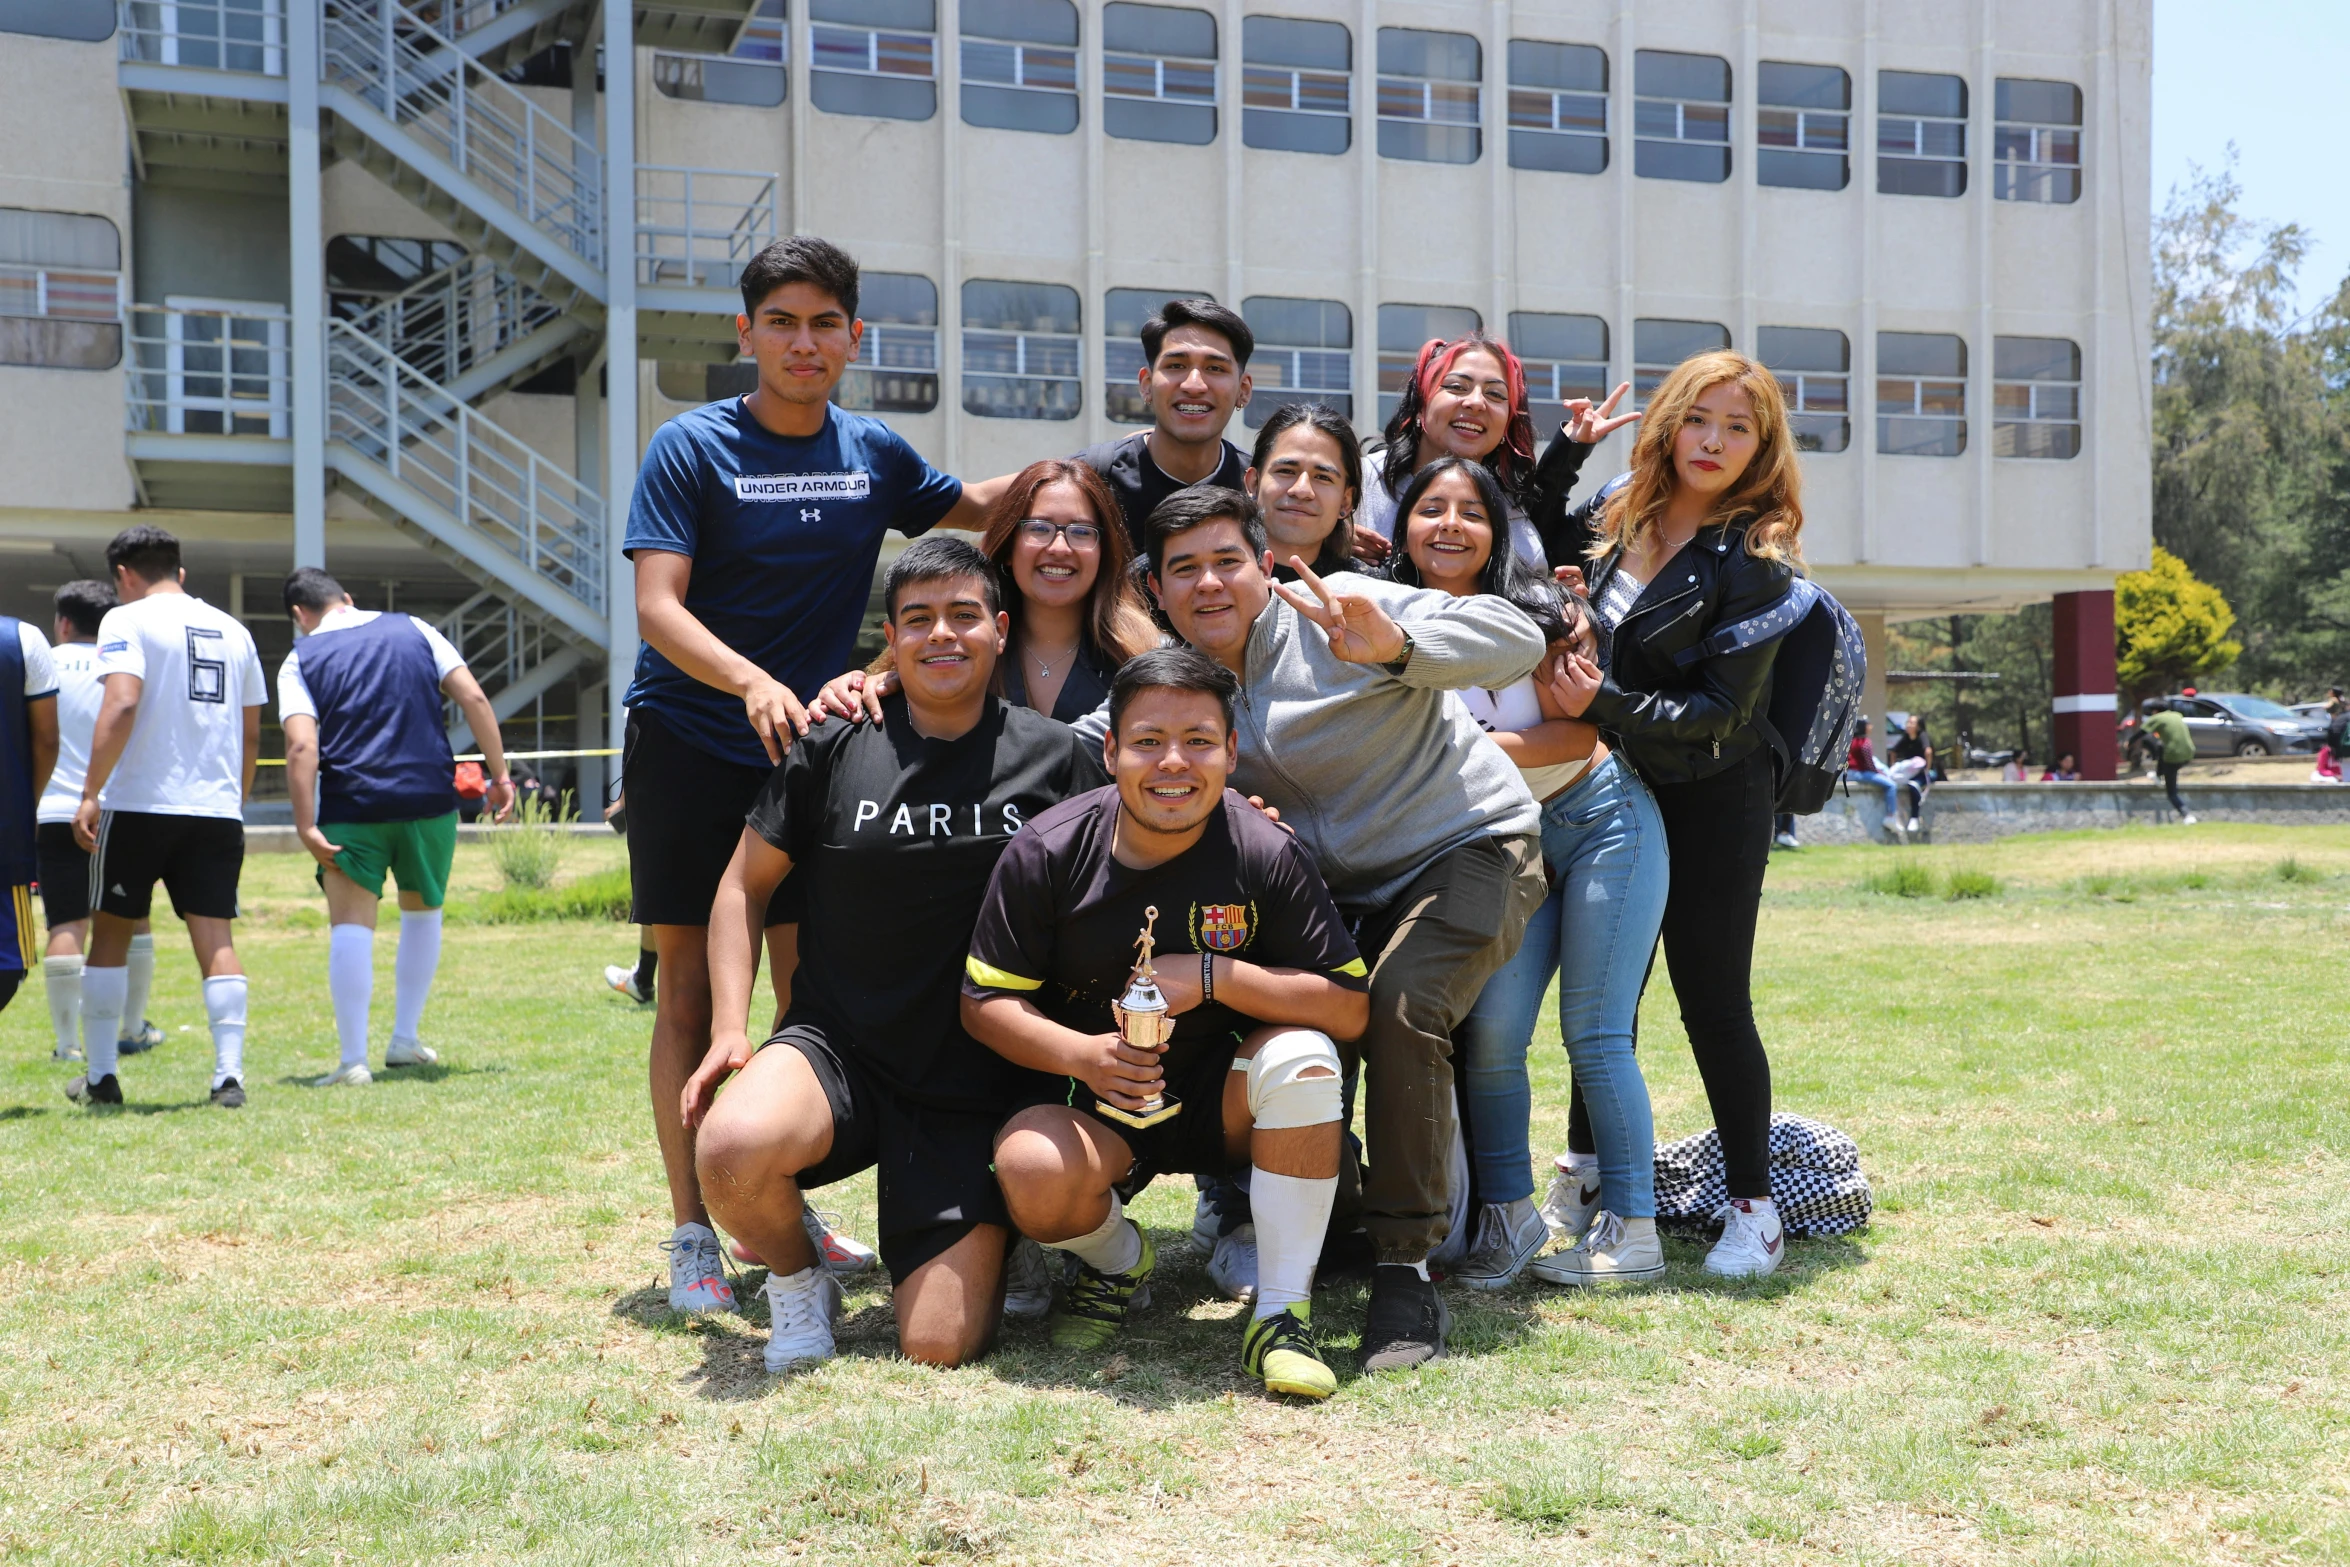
[(1210, 1053)]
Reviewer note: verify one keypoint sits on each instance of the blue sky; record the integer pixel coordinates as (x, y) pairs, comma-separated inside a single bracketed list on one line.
[(2273, 76)]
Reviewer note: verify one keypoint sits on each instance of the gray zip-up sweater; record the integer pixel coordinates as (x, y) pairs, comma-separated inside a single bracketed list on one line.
[(1378, 773)]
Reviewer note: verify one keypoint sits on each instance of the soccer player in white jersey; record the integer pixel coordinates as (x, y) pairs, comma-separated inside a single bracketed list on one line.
[(171, 762)]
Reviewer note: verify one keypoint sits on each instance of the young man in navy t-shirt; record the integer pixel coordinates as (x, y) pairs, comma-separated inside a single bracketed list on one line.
[(755, 529)]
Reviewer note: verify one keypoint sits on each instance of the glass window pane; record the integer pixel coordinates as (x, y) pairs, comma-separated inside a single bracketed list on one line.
[(1180, 80), (1132, 119), (919, 15), (83, 21), (1410, 51), (699, 79), (1704, 122), (2011, 401), (2036, 102), (65, 239), (1558, 154), (1816, 432), (1159, 29), (2035, 359), (1298, 323), (1652, 117), (2046, 440), (1920, 177), (1920, 353), (1328, 94), (1025, 21), (1048, 68), (1402, 99), (1664, 160), (1276, 40), (1656, 341), (1778, 128), (1577, 67), (905, 297), (1905, 437), (1020, 307), (1802, 170), (1942, 397), (1125, 74), (1452, 105), (1662, 73), (1423, 143), (1803, 348), (1941, 138), (881, 97), (1277, 131), (988, 62), (1538, 336), (1403, 328), (1011, 109), (1910, 92), (2056, 402), (1802, 86)]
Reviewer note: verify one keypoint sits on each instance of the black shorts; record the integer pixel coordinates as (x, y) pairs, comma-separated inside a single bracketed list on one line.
[(65, 874), (685, 816), (936, 1168), (1190, 1143), (197, 858)]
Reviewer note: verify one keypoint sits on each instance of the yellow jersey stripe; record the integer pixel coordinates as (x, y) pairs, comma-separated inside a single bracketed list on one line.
[(1354, 970), (993, 978)]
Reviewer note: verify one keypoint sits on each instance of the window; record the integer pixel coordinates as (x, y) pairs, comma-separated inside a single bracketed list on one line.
[(246, 36), (1803, 126), (1921, 394), (60, 290), (1305, 354), (2038, 143), (884, 65), (1022, 358), (1124, 310), (1403, 331), (1564, 356), (896, 371), (1680, 116), (1428, 110), (83, 21), (1020, 67), (1921, 134), (378, 264), (751, 74), (2035, 397), (1558, 107), (1159, 73), (1814, 369), (1296, 92), (1659, 345)]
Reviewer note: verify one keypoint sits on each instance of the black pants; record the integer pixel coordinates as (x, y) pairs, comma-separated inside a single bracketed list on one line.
[(2170, 784), (1719, 832)]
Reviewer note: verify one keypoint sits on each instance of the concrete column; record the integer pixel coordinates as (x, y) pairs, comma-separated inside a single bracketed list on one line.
[(2084, 683), (950, 229), (621, 448), (1366, 300), (306, 242), (1872, 687)]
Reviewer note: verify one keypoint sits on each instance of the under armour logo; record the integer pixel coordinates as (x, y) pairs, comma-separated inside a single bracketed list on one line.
[(811, 514)]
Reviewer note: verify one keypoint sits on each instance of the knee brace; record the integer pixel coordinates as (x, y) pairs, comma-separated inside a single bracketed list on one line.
[(1293, 1080)]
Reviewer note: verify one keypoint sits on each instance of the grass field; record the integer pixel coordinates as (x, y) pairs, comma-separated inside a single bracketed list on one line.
[(2103, 1314)]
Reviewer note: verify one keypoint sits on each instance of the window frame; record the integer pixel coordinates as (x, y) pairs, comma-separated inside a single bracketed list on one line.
[(872, 71), (1916, 157), (2011, 177), (1769, 155), (1915, 409), (1680, 139), (1072, 343), (1535, 363), (1537, 100), (1643, 367), (1795, 385), (1134, 124), (64, 303), (1289, 361), (1258, 75), (1395, 86), (1059, 57), (2014, 432)]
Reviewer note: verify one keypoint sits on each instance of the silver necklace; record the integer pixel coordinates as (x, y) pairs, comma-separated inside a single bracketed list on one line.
[(1045, 670)]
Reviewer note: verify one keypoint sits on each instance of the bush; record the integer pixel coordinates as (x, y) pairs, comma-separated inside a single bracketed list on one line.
[(601, 896), (1970, 882), (528, 849), (1904, 878)]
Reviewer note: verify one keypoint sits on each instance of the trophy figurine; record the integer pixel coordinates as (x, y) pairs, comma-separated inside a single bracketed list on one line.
[(1143, 1023)]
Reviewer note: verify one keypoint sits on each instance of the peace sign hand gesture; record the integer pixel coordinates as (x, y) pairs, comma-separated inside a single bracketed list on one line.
[(1360, 632), (1590, 425)]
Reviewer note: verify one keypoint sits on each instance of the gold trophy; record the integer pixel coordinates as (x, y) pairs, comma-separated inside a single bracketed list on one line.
[(1143, 1023)]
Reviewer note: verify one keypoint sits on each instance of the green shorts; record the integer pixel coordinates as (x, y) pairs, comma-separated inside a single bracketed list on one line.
[(417, 854)]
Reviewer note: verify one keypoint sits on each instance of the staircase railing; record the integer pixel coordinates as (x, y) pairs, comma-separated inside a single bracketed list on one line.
[(698, 227), (247, 36), (444, 324), (501, 644), (464, 465), (387, 56)]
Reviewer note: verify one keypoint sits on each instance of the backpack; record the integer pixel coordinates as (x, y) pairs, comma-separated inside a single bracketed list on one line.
[(1816, 678)]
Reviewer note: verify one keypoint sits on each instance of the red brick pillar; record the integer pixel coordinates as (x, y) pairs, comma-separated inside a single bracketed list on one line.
[(2085, 705)]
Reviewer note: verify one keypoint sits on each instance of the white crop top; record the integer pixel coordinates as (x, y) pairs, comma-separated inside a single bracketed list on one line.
[(1513, 708)]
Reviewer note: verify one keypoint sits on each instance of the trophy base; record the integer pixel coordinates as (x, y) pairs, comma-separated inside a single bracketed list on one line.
[(1169, 1108)]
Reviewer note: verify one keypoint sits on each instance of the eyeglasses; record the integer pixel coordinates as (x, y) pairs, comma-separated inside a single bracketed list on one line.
[(1044, 530)]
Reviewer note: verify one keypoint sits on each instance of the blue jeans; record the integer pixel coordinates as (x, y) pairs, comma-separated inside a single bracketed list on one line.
[(1604, 845), (1885, 782)]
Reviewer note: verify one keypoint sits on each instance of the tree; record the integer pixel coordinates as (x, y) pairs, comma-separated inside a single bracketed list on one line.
[(2169, 629)]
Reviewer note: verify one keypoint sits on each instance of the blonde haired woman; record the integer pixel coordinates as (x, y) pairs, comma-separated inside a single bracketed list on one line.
[(1700, 534)]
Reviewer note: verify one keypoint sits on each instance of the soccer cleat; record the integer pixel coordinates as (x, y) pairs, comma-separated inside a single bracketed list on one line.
[(410, 1052), (140, 1040), (1280, 1352), (1221, 1208), (1097, 1303), (800, 1313), (1752, 1244), (697, 1273), (69, 1053), (230, 1095), (1573, 1198), (1406, 1322), (623, 980), (355, 1075), (1028, 1281), (106, 1091), (842, 1256), (1508, 1235), (1605, 1255), (1232, 1266)]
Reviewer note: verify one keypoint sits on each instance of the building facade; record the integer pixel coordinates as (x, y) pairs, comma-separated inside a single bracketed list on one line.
[(336, 280)]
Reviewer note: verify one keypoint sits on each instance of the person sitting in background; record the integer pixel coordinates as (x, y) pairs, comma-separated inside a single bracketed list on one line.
[(1860, 766), (2067, 769), (2018, 768), (1913, 765)]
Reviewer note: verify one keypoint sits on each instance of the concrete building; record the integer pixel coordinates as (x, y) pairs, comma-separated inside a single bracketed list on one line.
[(337, 280)]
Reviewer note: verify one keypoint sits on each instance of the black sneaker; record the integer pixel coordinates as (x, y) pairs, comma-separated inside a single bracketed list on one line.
[(106, 1091), (229, 1095), (1406, 1324)]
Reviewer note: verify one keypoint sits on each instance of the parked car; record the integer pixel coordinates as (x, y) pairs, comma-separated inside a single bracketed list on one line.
[(2235, 723)]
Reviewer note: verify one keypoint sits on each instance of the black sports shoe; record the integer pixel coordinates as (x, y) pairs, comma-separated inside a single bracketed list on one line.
[(106, 1091), (1406, 1324), (229, 1095)]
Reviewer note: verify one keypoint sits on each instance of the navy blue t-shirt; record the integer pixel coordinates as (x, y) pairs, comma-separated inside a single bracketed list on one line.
[(784, 533)]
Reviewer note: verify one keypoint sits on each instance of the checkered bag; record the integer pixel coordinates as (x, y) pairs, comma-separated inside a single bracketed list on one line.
[(1816, 1179)]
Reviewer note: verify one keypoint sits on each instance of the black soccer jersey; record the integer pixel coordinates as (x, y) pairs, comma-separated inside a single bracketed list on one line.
[(1061, 916), (896, 835)]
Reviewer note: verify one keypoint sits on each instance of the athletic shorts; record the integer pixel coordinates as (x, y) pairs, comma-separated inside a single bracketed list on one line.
[(685, 816), (18, 947), (417, 854), (65, 874), (1190, 1143), (197, 858), (936, 1168)]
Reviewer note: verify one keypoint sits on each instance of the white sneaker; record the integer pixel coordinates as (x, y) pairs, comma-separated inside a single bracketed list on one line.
[(842, 1256), (1232, 1266), (410, 1052), (800, 1312), (1607, 1254), (69, 1053), (1573, 1198), (355, 1075), (1787, 840), (623, 980), (697, 1273), (1221, 1207), (1028, 1281), (1507, 1236), (1752, 1240), (2186, 818)]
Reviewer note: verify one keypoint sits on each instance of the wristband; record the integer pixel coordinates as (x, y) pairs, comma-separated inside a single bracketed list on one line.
[(1207, 979)]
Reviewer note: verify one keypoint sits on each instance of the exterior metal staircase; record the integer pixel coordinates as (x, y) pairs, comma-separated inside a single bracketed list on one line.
[(472, 328)]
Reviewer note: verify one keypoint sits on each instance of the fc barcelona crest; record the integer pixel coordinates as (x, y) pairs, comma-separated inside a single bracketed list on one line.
[(1220, 927)]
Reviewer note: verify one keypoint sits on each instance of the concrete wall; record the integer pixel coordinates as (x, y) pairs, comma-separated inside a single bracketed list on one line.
[(1977, 813)]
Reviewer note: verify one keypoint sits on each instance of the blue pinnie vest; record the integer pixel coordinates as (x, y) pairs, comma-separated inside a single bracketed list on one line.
[(382, 753), (19, 865)]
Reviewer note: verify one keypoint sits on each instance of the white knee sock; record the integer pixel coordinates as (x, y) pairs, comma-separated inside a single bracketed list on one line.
[(224, 1004), (412, 970), (1292, 1214), (350, 981), (64, 977), (102, 990), (1114, 1246), (140, 966)]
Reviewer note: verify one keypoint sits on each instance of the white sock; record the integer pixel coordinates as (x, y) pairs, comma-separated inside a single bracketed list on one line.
[(1421, 1268), (412, 969), (102, 990), (1577, 1163), (224, 1004), (350, 981), (1292, 1215), (140, 965), (1114, 1246), (64, 977)]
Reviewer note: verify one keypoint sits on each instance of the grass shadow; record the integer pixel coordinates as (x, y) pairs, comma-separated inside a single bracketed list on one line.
[(23, 1112)]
